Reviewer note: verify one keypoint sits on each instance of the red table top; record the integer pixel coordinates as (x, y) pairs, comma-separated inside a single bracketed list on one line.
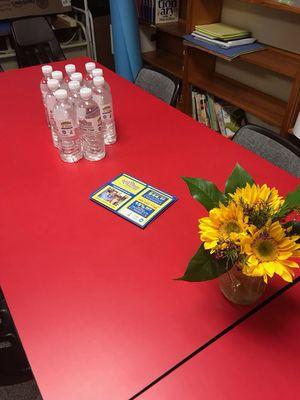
[(92, 295), (257, 360)]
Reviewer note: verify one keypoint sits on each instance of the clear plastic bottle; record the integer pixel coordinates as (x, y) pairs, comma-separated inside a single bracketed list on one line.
[(74, 93), (89, 119), (69, 144), (88, 79), (58, 75), (70, 69), (47, 71), (77, 76), (104, 100), (50, 101), (99, 72)]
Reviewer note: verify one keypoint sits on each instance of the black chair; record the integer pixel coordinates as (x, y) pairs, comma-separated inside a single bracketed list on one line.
[(35, 42), (278, 150), (160, 84), (1, 69)]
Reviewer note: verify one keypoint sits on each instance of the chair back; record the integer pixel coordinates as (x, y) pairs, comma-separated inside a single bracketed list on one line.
[(160, 84), (269, 145), (35, 42)]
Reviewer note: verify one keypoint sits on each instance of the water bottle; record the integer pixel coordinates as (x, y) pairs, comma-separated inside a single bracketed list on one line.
[(89, 119), (88, 79), (77, 76), (69, 144), (74, 93), (58, 75), (103, 98), (70, 69), (99, 72), (47, 71), (50, 101)]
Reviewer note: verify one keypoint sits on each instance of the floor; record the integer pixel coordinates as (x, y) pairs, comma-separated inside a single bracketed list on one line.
[(23, 391)]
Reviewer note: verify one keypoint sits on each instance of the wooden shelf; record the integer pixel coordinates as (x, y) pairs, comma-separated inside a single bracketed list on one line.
[(275, 4), (272, 59), (166, 61), (177, 29), (263, 106)]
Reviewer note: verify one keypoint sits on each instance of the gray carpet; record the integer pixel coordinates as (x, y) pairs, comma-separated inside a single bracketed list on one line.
[(23, 391)]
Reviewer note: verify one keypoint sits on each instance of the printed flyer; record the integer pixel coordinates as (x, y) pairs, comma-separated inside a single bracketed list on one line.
[(132, 199)]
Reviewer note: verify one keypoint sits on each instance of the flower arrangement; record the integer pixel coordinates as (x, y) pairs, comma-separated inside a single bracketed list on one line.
[(246, 227)]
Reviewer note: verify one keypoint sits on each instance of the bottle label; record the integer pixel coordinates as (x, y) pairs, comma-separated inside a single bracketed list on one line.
[(65, 128), (89, 122), (106, 112)]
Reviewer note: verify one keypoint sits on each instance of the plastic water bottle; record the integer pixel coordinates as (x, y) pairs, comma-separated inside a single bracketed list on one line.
[(99, 72), (74, 93), (47, 71), (69, 143), (89, 119), (77, 76), (103, 98), (70, 69), (88, 79), (50, 101), (58, 75)]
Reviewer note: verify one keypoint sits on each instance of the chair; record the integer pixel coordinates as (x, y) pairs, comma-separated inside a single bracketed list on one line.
[(35, 42), (278, 150), (160, 84), (1, 69)]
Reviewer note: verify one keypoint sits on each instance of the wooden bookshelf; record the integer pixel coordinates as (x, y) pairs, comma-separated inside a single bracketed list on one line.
[(196, 66)]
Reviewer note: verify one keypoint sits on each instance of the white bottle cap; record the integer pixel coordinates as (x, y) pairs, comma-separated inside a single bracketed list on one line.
[(70, 68), (85, 93), (77, 76), (97, 72), (57, 75), (53, 84), (98, 81), (90, 66), (47, 69), (74, 85), (61, 94)]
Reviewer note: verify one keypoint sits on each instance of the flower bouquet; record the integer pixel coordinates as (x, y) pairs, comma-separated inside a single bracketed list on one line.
[(246, 238)]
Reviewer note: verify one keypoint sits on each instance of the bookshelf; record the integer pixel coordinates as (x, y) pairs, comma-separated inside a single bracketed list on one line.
[(196, 66)]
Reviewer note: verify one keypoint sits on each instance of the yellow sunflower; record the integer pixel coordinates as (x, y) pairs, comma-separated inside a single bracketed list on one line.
[(225, 223), (269, 251), (255, 197)]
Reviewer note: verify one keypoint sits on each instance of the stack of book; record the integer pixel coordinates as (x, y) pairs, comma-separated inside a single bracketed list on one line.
[(158, 11), (217, 114), (225, 40)]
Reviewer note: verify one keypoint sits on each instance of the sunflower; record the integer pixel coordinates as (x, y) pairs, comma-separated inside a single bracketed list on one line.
[(225, 224), (259, 202), (269, 251)]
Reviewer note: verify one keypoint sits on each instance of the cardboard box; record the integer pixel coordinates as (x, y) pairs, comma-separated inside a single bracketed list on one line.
[(10, 9)]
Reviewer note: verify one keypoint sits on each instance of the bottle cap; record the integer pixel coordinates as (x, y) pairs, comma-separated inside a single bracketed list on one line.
[(61, 94), (77, 76), (57, 75), (47, 69), (85, 93), (53, 84), (74, 85), (90, 66), (98, 81), (97, 72), (70, 68)]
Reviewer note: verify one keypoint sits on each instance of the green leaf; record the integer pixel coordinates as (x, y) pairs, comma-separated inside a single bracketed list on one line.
[(203, 267), (292, 201), (238, 179), (295, 225), (205, 192)]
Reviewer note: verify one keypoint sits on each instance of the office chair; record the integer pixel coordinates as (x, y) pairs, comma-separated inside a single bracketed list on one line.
[(278, 150), (160, 84), (35, 42)]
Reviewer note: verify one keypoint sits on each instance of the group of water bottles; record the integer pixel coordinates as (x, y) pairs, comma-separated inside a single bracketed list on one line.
[(79, 112)]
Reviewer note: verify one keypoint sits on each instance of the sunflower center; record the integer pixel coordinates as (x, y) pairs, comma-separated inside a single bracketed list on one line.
[(265, 249), (231, 227)]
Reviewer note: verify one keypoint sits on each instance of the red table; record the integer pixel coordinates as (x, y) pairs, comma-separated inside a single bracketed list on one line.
[(92, 295), (257, 360)]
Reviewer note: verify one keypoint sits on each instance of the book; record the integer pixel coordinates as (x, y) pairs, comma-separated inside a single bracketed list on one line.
[(220, 43), (132, 199), (166, 11), (233, 118), (222, 31)]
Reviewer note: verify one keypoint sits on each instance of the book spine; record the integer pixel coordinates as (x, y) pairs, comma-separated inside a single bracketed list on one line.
[(219, 114)]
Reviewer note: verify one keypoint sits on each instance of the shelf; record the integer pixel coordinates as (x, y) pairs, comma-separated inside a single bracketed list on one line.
[(272, 59), (275, 4), (177, 29), (263, 106), (166, 61)]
